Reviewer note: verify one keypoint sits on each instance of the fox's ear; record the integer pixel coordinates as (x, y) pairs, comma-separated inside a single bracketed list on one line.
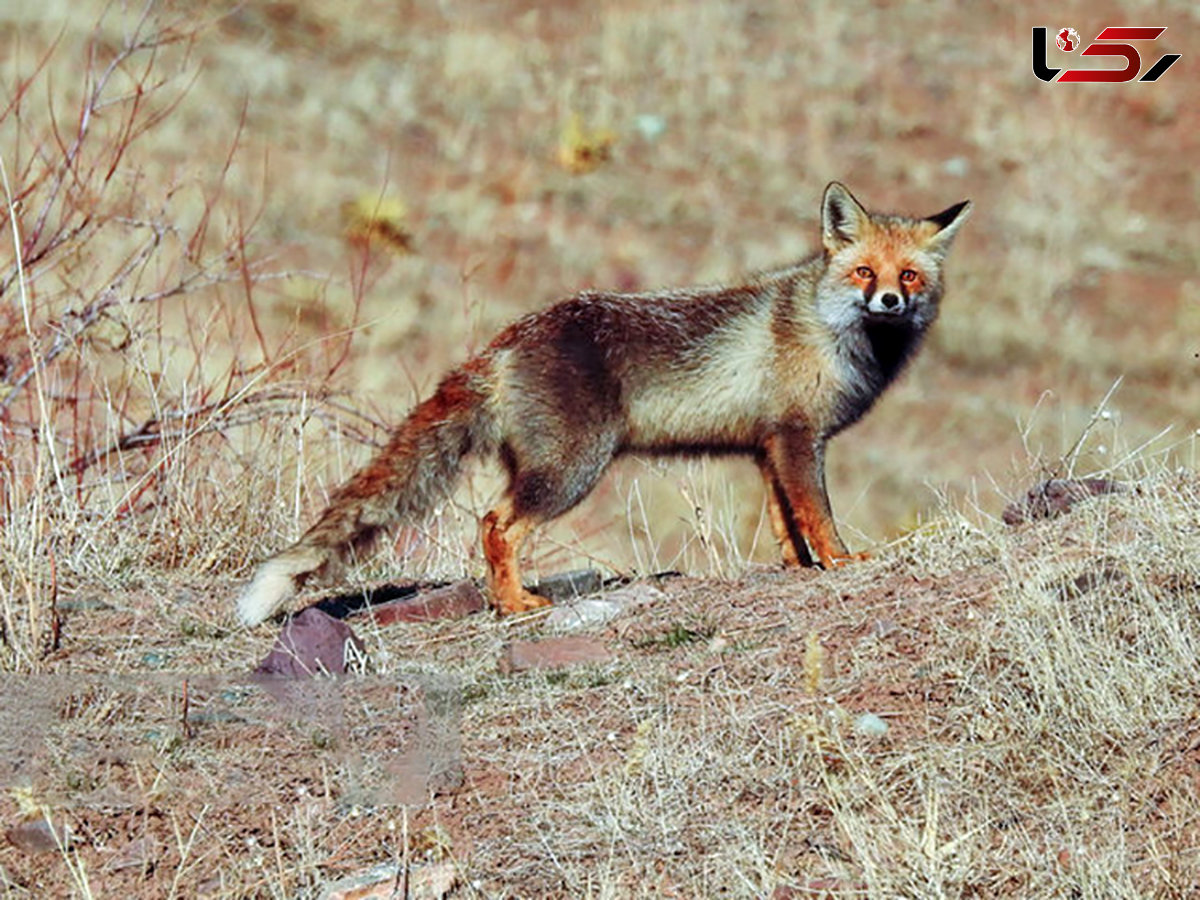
[(948, 222), (842, 217)]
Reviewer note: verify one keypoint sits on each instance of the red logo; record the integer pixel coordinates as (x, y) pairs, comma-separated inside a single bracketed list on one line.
[(1109, 42), (1067, 39)]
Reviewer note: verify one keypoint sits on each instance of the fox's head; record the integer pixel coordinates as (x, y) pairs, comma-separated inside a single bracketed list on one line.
[(882, 269)]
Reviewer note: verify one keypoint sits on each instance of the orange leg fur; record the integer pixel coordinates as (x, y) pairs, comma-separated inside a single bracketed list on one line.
[(799, 464), (784, 537), (503, 535)]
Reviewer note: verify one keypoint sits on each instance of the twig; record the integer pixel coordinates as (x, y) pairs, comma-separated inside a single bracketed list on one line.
[(1076, 448), (187, 726)]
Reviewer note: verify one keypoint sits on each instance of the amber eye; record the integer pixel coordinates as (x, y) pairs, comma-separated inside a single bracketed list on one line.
[(908, 276), (864, 272)]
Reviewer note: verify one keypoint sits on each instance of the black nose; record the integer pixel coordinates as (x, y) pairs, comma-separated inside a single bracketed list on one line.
[(889, 301)]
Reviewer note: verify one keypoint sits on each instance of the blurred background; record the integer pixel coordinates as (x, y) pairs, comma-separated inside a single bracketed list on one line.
[(363, 193)]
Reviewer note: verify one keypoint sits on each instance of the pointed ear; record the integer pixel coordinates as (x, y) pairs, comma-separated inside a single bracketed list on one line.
[(948, 222), (842, 217)]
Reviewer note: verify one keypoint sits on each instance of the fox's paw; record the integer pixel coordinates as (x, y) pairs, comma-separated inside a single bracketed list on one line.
[(519, 602), (839, 560)]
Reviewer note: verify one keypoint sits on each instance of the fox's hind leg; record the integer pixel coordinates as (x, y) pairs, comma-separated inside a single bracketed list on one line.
[(783, 522), (503, 534), (542, 487)]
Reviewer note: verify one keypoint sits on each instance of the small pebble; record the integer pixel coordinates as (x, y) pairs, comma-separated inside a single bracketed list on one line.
[(870, 725), (650, 127)]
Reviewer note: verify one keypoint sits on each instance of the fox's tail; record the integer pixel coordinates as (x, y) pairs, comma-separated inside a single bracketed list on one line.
[(417, 467)]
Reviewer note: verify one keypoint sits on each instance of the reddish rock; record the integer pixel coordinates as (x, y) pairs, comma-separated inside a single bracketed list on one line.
[(35, 836), (1056, 496), (451, 602), (552, 653), (311, 643)]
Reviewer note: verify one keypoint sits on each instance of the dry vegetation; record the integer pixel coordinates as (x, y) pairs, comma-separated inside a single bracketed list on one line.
[(248, 242)]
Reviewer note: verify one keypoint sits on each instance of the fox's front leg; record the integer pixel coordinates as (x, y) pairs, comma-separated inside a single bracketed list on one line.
[(797, 461), (783, 524)]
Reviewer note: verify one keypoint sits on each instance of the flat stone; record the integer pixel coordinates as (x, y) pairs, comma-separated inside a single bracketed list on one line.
[(311, 643), (590, 612), (870, 725), (552, 653), (569, 585), (386, 881), (454, 601), (34, 836)]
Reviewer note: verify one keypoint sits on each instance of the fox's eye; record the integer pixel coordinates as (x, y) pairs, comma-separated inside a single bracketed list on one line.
[(864, 272), (908, 276)]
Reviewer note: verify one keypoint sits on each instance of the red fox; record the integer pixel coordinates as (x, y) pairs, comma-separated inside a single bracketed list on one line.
[(772, 368)]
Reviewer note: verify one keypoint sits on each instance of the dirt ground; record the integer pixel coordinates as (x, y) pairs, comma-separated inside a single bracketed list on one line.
[(779, 731)]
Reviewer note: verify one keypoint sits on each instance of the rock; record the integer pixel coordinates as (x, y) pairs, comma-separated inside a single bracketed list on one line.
[(650, 126), (36, 836), (311, 643), (957, 166), (1056, 496), (385, 882), (552, 653), (83, 604), (569, 585), (870, 725), (581, 614), (593, 611), (453, 601)]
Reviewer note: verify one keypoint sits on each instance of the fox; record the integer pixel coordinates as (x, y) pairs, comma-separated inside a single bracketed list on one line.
[(771, 368)]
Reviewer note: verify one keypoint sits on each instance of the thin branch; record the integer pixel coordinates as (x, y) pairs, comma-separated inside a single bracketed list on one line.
[(1073, 454)]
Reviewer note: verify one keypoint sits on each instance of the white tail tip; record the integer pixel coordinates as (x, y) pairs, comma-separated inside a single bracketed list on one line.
[(272, 586)]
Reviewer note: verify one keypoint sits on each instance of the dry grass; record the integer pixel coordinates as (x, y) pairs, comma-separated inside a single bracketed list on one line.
[(248, 243), (1038, 685)]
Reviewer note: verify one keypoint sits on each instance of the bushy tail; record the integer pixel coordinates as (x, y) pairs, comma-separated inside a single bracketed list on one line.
[(417, 468)]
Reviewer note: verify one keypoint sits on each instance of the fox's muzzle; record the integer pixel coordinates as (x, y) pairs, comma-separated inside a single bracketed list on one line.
[(887, 304)]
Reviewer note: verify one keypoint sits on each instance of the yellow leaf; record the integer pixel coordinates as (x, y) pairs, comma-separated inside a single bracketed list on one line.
[(375, 218), (582, 150)]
